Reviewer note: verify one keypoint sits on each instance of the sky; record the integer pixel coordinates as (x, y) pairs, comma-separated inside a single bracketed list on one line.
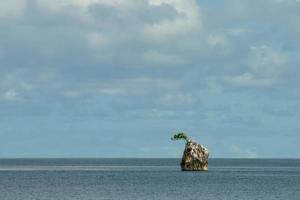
[(117, 78)]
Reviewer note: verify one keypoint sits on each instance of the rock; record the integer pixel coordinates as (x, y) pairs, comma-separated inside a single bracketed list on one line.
[(195, 157)]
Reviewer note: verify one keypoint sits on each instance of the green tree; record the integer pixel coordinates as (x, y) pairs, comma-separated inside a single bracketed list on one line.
[(180, 136)]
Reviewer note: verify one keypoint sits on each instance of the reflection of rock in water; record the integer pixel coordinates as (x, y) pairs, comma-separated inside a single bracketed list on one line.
[(195, 157)]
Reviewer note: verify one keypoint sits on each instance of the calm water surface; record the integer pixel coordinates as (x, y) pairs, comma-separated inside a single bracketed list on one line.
[(148, 179)]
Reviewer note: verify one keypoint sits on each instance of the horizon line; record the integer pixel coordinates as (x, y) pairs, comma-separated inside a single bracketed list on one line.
[(259, 158)]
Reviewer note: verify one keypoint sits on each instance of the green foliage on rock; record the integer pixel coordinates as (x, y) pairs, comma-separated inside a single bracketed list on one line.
[(180, 136)]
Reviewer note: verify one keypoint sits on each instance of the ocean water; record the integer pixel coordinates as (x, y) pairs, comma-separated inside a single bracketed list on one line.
[(148, 179)]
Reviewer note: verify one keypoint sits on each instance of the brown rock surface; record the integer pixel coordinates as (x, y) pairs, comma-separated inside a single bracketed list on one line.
[(195, 157)]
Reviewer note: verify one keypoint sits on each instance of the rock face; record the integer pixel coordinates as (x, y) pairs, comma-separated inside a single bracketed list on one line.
[(195, 157)]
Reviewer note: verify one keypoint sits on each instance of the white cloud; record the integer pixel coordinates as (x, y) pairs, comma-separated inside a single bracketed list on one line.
[(236, 32), (97, 40), (72, 93), (13, 86), (155, 32), (188, 22), (12, 8), (124, 87), (60, 5), (215, 40), (287, 1), (249, 80), (10, 95), (113, 91), (264, 67), (265, 61), (219, 43), (190, 7), (177, 99), (160, 59)]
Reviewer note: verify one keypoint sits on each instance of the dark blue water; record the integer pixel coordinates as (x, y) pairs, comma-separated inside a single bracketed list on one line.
[(99, 179)]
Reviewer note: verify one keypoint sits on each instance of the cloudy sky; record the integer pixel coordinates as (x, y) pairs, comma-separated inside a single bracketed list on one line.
[(116, 78)]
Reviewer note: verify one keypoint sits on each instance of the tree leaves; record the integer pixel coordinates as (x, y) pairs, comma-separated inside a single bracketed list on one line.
[(180, 136)]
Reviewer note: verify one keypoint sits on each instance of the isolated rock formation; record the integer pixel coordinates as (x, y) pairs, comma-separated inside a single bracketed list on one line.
[(195, 157)]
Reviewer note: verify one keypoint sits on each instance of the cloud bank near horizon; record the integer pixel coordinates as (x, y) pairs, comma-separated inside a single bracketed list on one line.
[(77, 76)]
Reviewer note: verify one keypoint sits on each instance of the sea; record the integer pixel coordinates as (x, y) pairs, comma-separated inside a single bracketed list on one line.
[(148, 179)]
